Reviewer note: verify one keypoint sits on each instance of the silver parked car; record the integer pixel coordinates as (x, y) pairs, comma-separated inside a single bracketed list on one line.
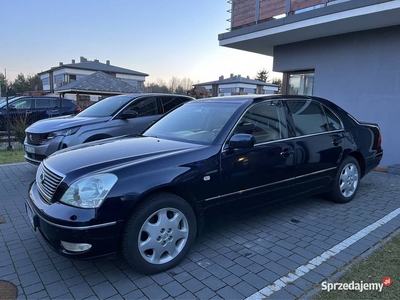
[(111, 117)]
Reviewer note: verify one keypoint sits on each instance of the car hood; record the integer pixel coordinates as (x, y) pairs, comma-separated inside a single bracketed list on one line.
[(114, 153), (64, 122)]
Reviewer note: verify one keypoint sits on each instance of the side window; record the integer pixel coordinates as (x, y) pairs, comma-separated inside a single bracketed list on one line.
[(266, 121), (45, 103), (308, 117), (334, 122), (170, 102), (145, 107), (23, 104)]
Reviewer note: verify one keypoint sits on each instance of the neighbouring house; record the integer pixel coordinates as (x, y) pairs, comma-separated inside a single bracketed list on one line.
[(344, 50), (237, 85), (65, 74), (98, 84)]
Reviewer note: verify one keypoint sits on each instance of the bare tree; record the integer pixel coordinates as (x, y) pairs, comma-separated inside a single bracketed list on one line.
[(186, 84), (175, 86), (174, 83)]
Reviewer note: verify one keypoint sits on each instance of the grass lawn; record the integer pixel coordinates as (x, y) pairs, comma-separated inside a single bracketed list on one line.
[(383, 263), (11, 156)]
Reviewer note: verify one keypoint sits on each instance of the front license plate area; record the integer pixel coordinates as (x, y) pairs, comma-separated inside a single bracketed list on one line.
[(29, 149), (31, 216)]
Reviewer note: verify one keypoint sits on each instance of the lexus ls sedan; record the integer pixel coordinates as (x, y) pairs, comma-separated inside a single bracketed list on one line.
[(149, 196)]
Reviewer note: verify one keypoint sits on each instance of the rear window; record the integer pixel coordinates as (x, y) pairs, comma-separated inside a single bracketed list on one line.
[(170, 102)]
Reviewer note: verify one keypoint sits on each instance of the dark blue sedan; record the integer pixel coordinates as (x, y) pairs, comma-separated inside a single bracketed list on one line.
[(148, 196), (29, 109)]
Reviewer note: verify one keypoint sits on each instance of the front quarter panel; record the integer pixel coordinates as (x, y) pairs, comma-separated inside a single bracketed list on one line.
[(195, 172)]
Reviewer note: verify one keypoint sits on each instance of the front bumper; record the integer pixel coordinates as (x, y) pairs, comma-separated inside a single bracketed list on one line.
[(58, 222), (36, 153)]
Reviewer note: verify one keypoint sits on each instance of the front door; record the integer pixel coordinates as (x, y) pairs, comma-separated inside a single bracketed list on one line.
[(147, 110), (266, 171)]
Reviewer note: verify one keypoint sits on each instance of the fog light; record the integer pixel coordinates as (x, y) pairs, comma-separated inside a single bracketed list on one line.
[(75, 247)]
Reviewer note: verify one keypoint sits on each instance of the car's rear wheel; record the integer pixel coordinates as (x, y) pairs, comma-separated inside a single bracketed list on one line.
[(347, 180), (159, 233)]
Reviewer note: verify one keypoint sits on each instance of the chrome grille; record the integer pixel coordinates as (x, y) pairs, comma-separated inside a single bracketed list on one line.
[(36, 138), (47, 182)]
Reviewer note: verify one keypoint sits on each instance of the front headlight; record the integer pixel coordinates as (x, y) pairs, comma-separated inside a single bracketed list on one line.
[(64, 132), (89, 192)]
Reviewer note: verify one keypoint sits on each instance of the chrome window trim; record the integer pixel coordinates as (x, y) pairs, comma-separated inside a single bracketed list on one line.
[(268, 184), (323, 108), (312, 134), (341, 123), (223, 149), (353, 118), (295, 137)]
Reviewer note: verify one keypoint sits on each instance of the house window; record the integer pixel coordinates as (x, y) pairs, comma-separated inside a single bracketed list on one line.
[(299, 83), (69, 78), (58, 78), (46, 81)]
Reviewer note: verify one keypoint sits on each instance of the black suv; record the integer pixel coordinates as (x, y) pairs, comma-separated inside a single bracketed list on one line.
[(33, 108)]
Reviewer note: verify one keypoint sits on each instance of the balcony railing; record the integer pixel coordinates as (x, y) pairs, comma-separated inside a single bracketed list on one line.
[(250, 12)]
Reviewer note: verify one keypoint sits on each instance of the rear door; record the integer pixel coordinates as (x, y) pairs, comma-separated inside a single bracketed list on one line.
[(319, 144), (46, 107)]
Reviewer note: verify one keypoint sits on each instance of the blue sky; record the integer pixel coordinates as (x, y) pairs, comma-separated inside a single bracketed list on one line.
[(165, 39)]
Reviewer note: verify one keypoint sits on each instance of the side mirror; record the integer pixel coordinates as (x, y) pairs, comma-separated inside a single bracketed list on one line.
[(241, 141), (129, 114)]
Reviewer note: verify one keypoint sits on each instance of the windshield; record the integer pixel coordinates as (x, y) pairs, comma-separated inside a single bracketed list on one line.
[(3, 102), (107, 107), (197, 122)]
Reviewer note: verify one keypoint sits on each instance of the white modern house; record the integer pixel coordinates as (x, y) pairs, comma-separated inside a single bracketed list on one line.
[(344, 50), (64, 74), (237, 85)]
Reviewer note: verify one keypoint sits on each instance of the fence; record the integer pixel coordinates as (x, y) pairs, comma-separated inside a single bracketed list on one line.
[(249, 12)]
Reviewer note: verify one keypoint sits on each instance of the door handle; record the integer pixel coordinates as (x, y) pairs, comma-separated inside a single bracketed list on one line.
[(286, 152), (337, 141)]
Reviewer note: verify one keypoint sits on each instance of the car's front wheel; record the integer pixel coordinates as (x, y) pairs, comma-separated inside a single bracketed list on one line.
[(347, 180), (159, 233)]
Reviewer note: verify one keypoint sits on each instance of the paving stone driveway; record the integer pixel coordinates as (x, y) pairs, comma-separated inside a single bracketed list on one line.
[(235, 257)]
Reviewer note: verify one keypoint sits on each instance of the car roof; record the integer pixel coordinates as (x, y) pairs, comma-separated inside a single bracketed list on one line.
[(153, 94), (255, 98)]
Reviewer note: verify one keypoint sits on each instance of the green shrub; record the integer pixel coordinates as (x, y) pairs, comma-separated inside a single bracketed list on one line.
[(18, 127)]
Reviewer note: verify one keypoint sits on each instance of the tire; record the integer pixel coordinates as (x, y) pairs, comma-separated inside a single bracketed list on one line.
[(346, 181), (159, 233)]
